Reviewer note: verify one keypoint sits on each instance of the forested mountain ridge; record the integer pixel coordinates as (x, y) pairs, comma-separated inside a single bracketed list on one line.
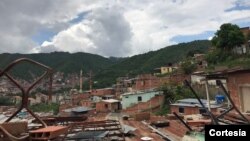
[(106, 70)]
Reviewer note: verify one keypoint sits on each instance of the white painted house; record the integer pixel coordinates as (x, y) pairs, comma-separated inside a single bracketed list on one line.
[(132, 98)]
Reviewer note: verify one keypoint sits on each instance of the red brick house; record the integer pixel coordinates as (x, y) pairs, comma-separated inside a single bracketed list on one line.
[(148, 81), (191, 106), (77, 98), (109, 105)]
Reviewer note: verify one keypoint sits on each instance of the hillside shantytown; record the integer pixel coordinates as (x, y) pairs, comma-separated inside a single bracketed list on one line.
[(170, 102), (124, 70)]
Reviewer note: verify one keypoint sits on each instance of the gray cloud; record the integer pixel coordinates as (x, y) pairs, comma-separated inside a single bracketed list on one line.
[(103, 31), (110, 27), (20, 20), (112, 30)]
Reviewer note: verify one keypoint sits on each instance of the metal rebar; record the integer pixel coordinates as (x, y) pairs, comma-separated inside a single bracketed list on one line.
[(187, 126), (202, 104), (231, 101), (25, 92)]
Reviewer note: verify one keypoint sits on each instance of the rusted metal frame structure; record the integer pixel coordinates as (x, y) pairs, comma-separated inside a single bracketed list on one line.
[(218, 77), (218, 82), (217, 118), (53, 120), (26, 91), (214, 120), (105, 125)]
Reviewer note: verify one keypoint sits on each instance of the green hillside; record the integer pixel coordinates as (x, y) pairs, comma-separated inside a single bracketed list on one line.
[(105, 70), (145, 63), (59, 61)]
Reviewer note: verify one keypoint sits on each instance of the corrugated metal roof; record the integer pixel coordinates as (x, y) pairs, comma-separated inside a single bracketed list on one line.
[(78, 109), (141, 92), (111, 101), (90, 135), (108, 96), (194, 105), (192, 102), (126, 129)]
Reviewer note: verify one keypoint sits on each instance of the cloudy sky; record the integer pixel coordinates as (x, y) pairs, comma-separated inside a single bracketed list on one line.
[(112, 27)]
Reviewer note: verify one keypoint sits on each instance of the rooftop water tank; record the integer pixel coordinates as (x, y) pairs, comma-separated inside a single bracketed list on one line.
[(219, 99)]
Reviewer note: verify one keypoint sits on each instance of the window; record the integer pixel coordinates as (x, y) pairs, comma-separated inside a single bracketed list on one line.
[(139, 98), (181, 109), (202, 110), (106, 106)]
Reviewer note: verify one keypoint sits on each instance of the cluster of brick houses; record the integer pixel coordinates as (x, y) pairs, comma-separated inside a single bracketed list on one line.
[(140, 90), (129, 93), (138, 94)]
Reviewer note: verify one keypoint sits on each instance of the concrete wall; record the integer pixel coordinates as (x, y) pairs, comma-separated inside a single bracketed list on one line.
[(129, 99), (150, 105)]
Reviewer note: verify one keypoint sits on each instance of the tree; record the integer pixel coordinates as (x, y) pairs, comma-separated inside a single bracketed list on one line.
[(188, 67), (173, 92), (5, 101), (228, 37), (192, 52)]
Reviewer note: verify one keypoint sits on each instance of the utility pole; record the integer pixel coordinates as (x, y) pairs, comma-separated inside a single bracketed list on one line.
[(207, 92), (80, 82), (90, 81)]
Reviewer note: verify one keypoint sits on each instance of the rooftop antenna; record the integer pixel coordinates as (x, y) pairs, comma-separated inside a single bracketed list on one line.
[(90, 81)]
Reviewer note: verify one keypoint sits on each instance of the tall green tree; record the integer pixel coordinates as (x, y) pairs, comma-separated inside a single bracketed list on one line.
[(228, 37), (188, 66)]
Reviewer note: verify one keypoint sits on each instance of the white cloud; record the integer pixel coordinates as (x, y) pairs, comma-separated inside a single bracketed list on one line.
[(104, 31), (112, 27), (20, 20), (210, 38)]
